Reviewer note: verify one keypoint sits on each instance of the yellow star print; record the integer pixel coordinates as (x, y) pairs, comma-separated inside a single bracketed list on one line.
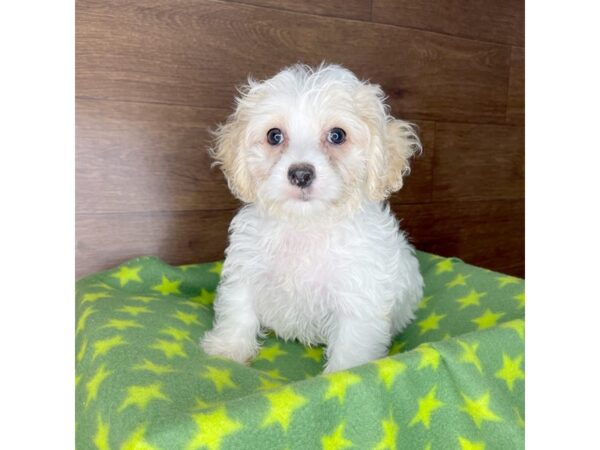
[(176, 333), (137, 440), (472, 298), (81, 352), (465, 444), (336, 440), (121, 325), (157, 369), (143, 298), (220, 377), (520, 420), (93, 385), (396, 348), (388, 369), (268, 384), (390, 431), (517, 325), (479, 410), (338, 384), (101, 436), (216, 268), (103, 346), (127, 274), (430, 358), (83, 318), (205, 297), (511, 370), (213, 427), (469, 354), (142, 395), (315, 353), (283, 404), (427, 405), (135, 310), (270, 353), (187, 318), (459, 280), (167, 286), (424, 303), (431, 322), (506, 280), (487, 320), (170, 349), (275, 374), (443, 266), (521, 299), (93, 296)]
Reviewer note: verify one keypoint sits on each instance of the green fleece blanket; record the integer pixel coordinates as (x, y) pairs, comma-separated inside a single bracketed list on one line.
[(454, 379)]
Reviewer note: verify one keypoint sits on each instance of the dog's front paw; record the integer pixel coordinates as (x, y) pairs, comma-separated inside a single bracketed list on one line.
[(231, 347)]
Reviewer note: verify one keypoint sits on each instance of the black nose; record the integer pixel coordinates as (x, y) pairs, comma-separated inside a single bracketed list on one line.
[(301, 175)]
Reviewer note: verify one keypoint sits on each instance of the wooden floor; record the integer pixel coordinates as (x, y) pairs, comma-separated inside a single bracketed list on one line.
[(153, 76)]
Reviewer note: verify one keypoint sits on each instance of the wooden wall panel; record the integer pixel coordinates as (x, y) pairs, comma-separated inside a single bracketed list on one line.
[(349, 9), (488, 20), (516, 89)]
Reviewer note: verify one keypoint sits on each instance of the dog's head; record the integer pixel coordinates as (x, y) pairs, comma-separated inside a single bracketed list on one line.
[(309, 141)]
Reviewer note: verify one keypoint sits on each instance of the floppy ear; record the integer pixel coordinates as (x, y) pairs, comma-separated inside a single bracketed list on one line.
[(227, 153), (389, 161)]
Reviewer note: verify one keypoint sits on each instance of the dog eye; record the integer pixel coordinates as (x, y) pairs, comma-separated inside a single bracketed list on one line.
[(336, 136), (274, 136)]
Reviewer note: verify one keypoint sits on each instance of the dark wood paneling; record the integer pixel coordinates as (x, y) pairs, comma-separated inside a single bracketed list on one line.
[(146, 157), (515, 112), (487, 233), (501, 21), (194, 52), (350, 9), (478, 162), (105, 240)]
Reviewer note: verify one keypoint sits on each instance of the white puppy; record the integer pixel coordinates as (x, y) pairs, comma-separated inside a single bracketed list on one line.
[(315, 254)]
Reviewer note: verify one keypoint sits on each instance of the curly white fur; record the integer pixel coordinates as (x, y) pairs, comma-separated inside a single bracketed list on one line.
[(326, 263)]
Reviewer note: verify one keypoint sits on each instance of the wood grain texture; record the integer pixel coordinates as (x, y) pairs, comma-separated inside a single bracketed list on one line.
[(486, 233), (478, 162), (194, 52), (349, 9), (501, 21), (105, 240), (515, 112)]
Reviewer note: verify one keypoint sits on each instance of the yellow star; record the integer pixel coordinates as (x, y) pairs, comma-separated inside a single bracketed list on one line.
[(424, 303), (176, 333), (427, 405), (205, 297), (270, 353), (83, 318), (101, 436), (336, 440), (216, 268), (201, 404), (465, 444), (93, 385), (135, 310), (142, 395), (212, 429), (459, 280), (520, 420), (167, 287), (390, 431), (487, 320), (170, 349), (431, 322), (102, 285), (93, 296), (187, 318), (103, 346), (521, 299), (283, 404), (144, 298), (472, 298), (430, 358), (388, 370), (469, 354), (275, 374), (77, 379), (479, 409), (137, 440), (121, 324), (396, 348), (338, 383), (127, 274), (517, 325), (315, 353), (427, 446), (81, 352), (511, 370), (506, 280), (220, 377), (445, 265), (157, 369), (268, 384)]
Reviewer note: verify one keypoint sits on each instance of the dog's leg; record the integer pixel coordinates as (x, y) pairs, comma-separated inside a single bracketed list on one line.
[(355, 341), (236, 325)]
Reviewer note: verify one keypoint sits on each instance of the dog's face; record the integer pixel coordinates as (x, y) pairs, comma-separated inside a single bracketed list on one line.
[(306, 142)]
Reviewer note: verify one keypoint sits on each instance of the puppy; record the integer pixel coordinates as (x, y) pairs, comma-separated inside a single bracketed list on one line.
[(315, 254)]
